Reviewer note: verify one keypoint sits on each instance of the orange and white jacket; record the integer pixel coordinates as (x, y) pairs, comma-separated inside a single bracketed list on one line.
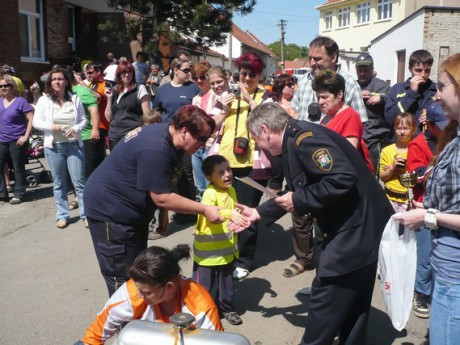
[(126, 305)]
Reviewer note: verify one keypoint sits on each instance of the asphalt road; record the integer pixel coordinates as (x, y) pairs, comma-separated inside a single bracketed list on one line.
[(52, 288)]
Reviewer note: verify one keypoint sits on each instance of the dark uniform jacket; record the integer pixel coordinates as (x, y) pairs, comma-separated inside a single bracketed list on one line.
[(331, 181)]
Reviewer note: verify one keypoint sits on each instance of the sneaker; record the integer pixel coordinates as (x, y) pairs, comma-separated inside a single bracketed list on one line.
[(240, 273), (61, 223), (305, 291), (15, 201), (421, 306), (232, 318), (9, 189)]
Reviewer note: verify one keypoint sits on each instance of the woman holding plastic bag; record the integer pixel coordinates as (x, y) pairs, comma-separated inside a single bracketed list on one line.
[(440, 212)]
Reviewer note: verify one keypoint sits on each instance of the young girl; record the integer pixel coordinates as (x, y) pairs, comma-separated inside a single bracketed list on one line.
[(215, 247), (393, 161)]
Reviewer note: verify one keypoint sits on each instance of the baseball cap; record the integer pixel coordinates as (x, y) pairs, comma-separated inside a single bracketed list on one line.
[(435, 115), (364, 59)]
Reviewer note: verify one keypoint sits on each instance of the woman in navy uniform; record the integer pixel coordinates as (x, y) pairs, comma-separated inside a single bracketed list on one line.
[(327, 178)]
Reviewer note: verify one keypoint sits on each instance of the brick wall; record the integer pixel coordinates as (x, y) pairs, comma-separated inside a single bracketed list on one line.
[(441, 35), (9, 34)]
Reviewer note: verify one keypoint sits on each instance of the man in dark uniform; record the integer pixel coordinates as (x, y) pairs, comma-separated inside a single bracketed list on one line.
[(327, 178)]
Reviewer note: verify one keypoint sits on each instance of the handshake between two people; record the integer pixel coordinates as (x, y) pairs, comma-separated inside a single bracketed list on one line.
[(243, 216)]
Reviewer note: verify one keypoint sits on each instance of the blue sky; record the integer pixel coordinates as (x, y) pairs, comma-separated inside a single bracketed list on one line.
[(301, 16)]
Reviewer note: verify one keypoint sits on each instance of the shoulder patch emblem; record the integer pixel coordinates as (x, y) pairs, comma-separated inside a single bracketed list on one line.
[(133, 133), (323, 159), (302, 137)]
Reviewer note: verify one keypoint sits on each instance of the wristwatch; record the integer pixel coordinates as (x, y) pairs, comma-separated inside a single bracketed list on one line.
[(430, 219)]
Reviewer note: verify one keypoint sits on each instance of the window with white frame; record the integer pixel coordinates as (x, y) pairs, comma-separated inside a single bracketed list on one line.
[(385, 9), (363, 12), (344, 17), (31, 29), (328, 19)]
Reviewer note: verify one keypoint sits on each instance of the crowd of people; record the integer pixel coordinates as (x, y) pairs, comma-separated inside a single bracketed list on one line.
[(133, 143)]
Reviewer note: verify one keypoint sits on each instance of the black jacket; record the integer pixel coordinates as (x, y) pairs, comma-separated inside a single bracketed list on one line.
[(331, 181)]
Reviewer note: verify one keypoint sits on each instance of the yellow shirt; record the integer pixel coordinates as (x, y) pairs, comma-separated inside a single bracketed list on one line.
[(386, 158), (228, 137)]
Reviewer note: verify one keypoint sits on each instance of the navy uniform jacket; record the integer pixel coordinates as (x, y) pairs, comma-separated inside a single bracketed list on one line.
[(330, 180)]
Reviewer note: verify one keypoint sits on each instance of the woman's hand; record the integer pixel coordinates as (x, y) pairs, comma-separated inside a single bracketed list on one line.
[(244, 92), (212, 214), (108, 92), (413, 219), (21, 140), (56, 128), (227, 99), (69, 132)]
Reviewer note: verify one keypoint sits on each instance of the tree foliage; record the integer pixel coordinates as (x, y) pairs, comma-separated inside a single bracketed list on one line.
[(190, 23), (291, 51)]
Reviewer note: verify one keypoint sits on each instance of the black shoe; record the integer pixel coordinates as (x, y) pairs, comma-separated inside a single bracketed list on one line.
[(232, 318), (421, 306), (180, 218)]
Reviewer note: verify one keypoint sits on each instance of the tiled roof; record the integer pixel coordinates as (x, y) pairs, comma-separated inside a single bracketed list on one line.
[(251, 40), (296, 63)]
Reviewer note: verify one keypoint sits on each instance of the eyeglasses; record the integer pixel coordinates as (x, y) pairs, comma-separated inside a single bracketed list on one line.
[(126, 73), (5, 86), (201, 77), (245, 74), (440, 86), (185, 70), (289, 84), (90, 72)]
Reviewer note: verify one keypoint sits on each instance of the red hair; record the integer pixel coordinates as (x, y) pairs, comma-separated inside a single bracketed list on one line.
[(250, 61), (125, 66)]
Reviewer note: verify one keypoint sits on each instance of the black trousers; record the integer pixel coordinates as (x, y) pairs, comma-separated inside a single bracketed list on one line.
[(18, 155), (248, 196), (186, 182), (116, 246), (94, 152), (340, 305), (218, 280)]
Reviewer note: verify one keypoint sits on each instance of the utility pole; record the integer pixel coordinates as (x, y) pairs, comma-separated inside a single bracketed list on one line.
[(282, 25)]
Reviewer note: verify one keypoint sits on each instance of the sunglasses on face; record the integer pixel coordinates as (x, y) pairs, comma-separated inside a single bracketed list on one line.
[(5, 86), (126, 73), (90, 72), (246, 74), (440, 86), (185, 70), (289, 84), (201, 139), (201, 77)]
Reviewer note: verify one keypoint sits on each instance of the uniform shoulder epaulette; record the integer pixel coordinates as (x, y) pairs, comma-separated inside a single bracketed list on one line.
[(303, 136)]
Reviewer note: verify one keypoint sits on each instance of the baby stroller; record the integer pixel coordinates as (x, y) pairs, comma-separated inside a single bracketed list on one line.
[(36, 171)]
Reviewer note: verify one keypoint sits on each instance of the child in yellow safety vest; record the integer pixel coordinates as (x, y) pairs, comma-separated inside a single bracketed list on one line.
[(215, 246)]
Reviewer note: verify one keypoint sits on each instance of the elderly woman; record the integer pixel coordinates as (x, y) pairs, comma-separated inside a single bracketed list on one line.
[(16, 116), (440, 212), (60, 114), (126, 103), (239, 148), (330, 92), (155, 292), (122, 194)]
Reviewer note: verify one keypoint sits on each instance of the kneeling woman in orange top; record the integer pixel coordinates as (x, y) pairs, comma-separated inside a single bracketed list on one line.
[(155, 292)]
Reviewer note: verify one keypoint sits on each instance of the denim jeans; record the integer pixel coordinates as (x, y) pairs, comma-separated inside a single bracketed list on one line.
[(19, 156), (200, 179), (63, 157), (445, 313), (423, 278)]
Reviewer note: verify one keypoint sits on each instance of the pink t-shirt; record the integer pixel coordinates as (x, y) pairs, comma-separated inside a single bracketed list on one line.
[(204, 100), (348, 124)]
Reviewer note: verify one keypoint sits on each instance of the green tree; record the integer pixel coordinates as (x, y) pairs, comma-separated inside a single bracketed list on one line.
[(190, 23), (291, 50)]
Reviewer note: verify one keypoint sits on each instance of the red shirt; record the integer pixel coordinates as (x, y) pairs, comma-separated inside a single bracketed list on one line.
[(418, 155), (348, 124)]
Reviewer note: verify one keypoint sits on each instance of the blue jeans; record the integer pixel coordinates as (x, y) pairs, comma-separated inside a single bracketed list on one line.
[(445, 313), (200, 179), (61, 157), (423, 278)]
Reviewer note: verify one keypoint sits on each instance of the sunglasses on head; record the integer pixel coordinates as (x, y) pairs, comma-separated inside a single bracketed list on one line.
[(251, 75), (5, 86), (201, 77), (186, 70)]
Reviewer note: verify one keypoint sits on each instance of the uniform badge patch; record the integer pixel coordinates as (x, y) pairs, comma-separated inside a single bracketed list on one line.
[(133, 133), (302, 137), (323, 159)]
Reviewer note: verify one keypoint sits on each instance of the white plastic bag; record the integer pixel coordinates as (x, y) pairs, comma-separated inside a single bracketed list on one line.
[(397, 268)]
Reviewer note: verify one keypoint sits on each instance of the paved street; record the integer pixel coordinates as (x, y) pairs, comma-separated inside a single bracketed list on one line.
[(52, 288)]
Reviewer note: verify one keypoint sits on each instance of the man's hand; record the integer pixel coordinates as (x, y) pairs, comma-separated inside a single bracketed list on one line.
[(285, 202), (251, 214), (373, 100), (212, 214), (365, 94), (95, 135), (415, 82), (239, 219)]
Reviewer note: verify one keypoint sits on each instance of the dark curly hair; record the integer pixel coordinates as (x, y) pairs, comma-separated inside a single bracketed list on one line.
[(328, 80), (280, 82)]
